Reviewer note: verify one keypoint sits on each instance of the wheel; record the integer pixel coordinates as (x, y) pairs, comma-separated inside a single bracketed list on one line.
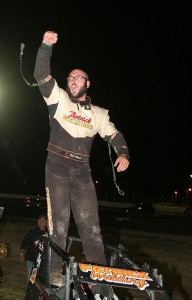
[(5, 250)]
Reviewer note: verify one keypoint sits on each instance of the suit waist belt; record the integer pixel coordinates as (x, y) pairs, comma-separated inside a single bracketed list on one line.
[(68, 154)]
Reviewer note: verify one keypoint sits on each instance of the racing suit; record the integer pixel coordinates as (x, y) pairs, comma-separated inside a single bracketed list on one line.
[(69, 185)]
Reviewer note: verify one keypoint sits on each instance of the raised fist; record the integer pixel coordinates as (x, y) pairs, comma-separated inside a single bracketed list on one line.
[(50, 37)]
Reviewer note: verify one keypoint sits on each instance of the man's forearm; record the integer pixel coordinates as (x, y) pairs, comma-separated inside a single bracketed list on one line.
[(22, 252), (42, 72), (119, 145)]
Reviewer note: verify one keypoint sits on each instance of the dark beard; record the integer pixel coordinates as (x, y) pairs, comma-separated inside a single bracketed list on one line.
[(82, 92)]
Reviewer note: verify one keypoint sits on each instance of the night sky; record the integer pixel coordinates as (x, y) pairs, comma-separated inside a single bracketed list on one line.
[(138, 57)]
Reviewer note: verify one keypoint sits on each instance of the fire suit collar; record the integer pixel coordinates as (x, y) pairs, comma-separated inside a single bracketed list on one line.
[(86, 104)]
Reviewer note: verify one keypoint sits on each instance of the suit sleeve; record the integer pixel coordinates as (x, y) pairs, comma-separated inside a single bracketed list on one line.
[(43, 70), (119, 144), (111, 134)]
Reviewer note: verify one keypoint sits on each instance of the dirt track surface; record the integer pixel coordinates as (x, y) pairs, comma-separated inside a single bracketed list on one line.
[(171, 255)]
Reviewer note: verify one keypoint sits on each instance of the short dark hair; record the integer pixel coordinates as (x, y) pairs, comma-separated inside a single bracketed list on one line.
[(42, 216)]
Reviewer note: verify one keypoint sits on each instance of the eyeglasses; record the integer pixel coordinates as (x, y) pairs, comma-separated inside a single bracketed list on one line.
[(77, 77)]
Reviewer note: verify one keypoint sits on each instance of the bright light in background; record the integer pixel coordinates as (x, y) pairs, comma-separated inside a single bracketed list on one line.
[(2, 91), (176, 194), (7, 99), (188, 194)]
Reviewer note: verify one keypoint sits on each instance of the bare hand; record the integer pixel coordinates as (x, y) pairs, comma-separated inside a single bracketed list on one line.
[(121, 163), (50, 37)]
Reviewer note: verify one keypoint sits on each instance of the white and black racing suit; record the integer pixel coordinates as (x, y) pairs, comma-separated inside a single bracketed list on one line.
[(69, 184)]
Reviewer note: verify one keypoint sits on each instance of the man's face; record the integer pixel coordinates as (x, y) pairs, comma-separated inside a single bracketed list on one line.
[(77, 84), (42, 223)]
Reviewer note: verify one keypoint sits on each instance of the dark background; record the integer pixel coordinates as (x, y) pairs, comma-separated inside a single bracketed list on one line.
[(138, 57)]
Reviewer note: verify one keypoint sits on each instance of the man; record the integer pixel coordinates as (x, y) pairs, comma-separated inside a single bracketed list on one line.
[(74, 123), (28, 248)]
